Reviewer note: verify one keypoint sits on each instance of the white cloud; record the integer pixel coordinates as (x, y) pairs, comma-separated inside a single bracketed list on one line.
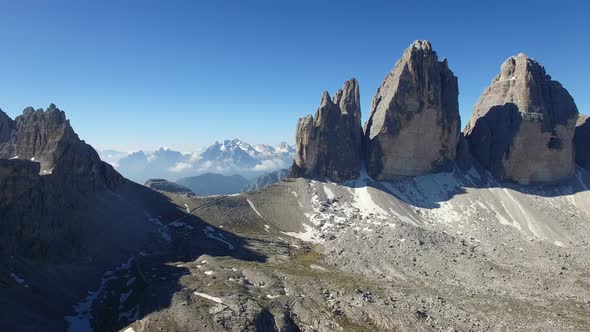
[(194, 157), (215, 167), (270, 165), (179, 167)]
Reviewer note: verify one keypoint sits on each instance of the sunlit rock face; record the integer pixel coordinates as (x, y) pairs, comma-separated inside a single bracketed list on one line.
[(329, 144), (414, 124), (522, 126)]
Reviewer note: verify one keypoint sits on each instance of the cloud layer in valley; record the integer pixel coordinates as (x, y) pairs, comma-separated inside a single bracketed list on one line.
[(228, 157)]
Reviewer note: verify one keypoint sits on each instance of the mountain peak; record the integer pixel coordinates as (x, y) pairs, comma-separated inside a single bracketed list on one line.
[(348, 98), (421, 45), (416, 102), (329, 146), (535, 117), (326, 100)]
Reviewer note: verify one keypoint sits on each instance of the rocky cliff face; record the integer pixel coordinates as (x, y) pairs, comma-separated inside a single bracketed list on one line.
[(47, 175), (6, 127), (414, 124), (582, 141), (329, 144), (523, 124), (16, 177), (47, 138)]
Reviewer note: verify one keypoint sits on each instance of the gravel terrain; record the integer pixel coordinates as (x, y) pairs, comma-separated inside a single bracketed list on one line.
[(450, 251)]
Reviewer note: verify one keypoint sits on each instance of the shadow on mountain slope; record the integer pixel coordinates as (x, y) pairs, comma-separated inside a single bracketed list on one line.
[(429, 191), (124, 231)]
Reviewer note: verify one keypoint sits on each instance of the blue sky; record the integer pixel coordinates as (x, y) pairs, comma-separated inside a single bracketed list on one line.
[(143, 74)]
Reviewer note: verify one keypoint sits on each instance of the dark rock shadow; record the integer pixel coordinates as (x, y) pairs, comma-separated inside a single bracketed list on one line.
[(182, 238), (492, 135), (117, 241)]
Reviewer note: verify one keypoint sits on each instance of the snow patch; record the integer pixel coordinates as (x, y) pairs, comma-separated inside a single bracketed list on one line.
[(17, 278), (81, 321), (161, 228), (309, 235), (364, 202), (254, 208), (329, 192), (208, 297), (212, 234)]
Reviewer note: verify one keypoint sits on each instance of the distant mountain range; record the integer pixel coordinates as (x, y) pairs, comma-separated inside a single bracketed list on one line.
[(214, 184), (266, 180), (227, 158), (217, 184)]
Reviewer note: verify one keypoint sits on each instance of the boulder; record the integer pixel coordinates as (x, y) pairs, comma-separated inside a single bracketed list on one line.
[(329, 144), (523, 124), (414, 124)]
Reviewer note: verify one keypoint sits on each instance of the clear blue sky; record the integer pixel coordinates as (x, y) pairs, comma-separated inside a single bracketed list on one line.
[(143, 74)]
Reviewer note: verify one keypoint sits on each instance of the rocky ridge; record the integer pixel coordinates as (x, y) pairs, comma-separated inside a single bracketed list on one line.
[(329, 144), (521, 130), (68, 171), (46, 137), (65, 217)]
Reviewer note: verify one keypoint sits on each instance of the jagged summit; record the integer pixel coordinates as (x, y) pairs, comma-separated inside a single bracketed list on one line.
[(521, 128), (422, 45), (46, 137), (348, 98), (326, 100), (329, 144), (523, 124)]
